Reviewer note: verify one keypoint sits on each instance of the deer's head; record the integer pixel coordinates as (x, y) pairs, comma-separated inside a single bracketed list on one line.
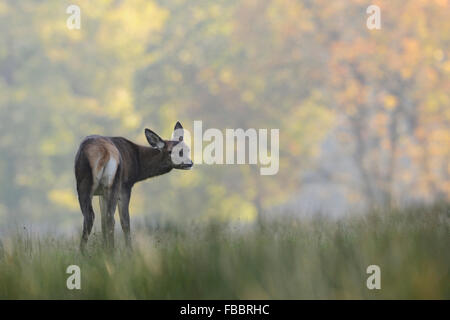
[(174, 152)]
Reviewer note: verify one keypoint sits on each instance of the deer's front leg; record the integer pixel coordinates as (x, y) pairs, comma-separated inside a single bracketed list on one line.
[(124, 202)]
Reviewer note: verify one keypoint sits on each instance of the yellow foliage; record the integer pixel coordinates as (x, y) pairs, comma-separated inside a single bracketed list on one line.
[(315, 119), (3, 8), (390, 101), (234, 208), (48, 148), (121, 102), (446, 67), (131, 121), (187, 179), (135, 19), (231, 207), (248, 96), (226, 76), (278, 64), (64, 198)]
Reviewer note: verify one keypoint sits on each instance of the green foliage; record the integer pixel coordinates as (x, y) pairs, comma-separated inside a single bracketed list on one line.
[(318, 258)]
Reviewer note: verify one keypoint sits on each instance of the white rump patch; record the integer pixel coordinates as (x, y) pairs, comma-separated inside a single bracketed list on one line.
[(104, 177), (109, 173)]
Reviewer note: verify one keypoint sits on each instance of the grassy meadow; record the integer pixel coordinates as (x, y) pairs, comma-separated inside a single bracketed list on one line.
[(310, 258)]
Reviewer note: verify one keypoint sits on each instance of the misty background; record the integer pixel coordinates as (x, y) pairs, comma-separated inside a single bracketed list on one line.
[(364, 115)]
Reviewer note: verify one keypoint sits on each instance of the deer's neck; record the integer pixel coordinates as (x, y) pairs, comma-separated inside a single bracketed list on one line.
[(150, 163)]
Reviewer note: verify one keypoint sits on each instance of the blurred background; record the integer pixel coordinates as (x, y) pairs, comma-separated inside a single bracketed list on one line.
[(364, 115)]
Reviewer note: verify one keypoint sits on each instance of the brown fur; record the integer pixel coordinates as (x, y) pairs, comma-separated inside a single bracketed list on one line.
[(99, 152)]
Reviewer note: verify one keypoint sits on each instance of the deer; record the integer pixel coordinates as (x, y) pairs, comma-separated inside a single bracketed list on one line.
[(109, 167)]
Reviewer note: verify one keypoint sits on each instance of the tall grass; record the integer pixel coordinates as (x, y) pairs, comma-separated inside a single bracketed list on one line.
[(317, 258)]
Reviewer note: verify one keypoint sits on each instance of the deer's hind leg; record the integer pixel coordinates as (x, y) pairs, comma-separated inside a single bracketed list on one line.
[(85, 200), (110, 198), (103, 203)]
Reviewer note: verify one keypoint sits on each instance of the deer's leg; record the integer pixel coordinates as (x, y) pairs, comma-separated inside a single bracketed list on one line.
[(103, 203), (85, 200), (112, 197), (124, 202)]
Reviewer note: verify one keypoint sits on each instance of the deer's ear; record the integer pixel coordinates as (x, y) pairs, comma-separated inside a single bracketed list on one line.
[(178, 132), (154, 140), (178, 126)]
